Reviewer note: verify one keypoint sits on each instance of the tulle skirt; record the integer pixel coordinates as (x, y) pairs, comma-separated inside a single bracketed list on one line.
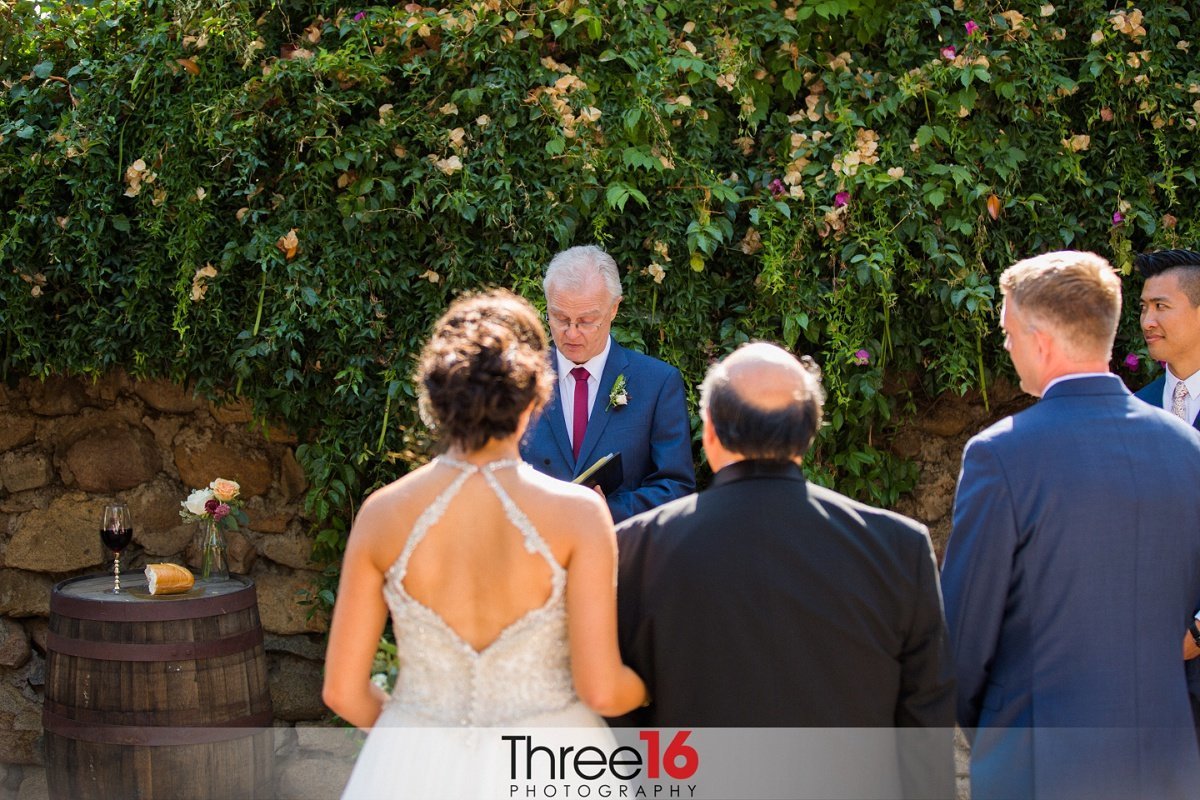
[(406, 757)]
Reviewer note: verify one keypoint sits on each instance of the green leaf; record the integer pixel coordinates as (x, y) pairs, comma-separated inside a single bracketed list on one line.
[(616, 195), (44, 69)]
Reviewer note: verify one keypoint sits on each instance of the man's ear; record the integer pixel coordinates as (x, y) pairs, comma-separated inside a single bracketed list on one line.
[(708, 436), (616, 305)]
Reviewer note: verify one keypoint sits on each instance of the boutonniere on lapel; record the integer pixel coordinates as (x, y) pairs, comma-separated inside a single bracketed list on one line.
[(619, 396)]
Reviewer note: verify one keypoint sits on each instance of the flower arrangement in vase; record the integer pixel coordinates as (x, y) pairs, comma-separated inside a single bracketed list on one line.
[(215, 508)]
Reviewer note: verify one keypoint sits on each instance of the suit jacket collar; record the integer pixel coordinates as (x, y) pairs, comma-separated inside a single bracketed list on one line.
[(1091, 385), (1152, 393), (758, 468), (618, 361)]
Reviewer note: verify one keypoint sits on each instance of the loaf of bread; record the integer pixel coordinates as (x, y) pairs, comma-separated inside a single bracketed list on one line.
[(168, 578)]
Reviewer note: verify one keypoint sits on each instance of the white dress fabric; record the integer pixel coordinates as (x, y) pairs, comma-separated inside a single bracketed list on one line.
[(440, 733)]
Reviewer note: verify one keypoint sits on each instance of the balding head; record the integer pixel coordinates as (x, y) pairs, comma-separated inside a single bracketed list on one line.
[(763, 402)]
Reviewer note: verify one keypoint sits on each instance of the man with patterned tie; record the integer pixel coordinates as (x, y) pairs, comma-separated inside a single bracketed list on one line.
[(608, 399), (1170, 320), (1074, 562)]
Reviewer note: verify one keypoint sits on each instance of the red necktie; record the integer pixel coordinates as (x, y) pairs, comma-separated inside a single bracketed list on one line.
[(580, 414)]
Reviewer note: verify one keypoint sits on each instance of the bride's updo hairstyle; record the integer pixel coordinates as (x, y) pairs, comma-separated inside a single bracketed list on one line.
[(485, 363)]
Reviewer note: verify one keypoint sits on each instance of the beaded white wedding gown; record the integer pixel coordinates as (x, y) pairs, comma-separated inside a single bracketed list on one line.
[(440, 733)]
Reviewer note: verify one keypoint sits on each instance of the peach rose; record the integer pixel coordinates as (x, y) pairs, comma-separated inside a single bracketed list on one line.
[(225, 490)]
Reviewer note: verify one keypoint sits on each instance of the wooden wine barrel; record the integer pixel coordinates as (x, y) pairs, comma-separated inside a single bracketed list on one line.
[(156, 697)]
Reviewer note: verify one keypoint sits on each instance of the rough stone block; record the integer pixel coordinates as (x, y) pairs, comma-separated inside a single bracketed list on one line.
[(308, 646), (265, 522), (20, 721), (168, 397), (200, 458), (14, 643), (232, 412), (336, 739), (37, 628), (290, 550), (112, 459), (155, 507), (22, 471), (64, 537), (291, 477), (33, 785), (307, 778), (279, 599), (55, 397), (26, 594), (16, 430), (295, 687), (170, 543)]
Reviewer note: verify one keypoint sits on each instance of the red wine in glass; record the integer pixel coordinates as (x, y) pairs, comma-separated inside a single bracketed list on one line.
[(116, 532)]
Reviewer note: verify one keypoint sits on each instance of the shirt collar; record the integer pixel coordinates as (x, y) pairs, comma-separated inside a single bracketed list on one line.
[(1193, 383), (594, 365)]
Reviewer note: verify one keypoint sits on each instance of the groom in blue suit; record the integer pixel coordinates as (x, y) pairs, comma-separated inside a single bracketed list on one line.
[(1074, 562), (1170, 320), (608, 399)]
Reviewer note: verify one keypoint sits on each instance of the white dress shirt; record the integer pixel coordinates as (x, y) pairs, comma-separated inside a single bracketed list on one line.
[(566, 384), (1192, 404)]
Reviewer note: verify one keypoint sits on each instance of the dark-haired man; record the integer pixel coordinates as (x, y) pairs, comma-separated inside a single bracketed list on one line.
[(1171, 324), (1170, 318), (766, 600)]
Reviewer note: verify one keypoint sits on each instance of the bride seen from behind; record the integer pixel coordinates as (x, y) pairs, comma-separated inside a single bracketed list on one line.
[(500, 580)]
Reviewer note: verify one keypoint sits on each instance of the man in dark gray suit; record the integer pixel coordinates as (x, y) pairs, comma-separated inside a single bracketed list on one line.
[(1074, 562), (766, 600)]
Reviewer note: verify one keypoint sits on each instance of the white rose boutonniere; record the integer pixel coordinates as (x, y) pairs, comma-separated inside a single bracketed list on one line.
[(619, 396)]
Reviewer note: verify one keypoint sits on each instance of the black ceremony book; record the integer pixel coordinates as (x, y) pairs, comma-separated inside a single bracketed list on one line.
[(605, 473)]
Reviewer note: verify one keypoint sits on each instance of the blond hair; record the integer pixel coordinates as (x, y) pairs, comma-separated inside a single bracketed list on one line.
[(1075, 295)]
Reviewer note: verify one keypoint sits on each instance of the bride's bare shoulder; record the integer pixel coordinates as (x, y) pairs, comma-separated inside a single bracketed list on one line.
[(397, 501), (558, 502)]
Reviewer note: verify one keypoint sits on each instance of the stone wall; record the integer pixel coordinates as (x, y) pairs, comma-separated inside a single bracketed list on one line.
[(67, 446)]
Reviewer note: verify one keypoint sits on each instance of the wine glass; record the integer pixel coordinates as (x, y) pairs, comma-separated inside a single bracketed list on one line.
[(116, 532)]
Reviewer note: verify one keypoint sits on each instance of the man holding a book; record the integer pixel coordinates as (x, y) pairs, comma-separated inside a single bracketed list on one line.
[(609, 401)]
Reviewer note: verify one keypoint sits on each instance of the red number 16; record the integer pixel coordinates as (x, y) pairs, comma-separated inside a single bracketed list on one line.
[(677, 751)]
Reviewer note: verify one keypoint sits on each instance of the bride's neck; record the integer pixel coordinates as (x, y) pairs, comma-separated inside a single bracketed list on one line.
[(493, 450)]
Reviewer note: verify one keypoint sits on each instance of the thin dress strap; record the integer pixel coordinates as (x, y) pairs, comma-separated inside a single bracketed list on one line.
[(532, 540)]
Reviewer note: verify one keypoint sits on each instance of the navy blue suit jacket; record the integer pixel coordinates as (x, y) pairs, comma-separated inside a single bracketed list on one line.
[(1069, 579), (652, 433), (1152, 393)]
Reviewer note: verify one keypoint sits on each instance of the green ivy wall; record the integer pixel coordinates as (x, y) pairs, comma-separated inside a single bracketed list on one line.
[(276, 199)]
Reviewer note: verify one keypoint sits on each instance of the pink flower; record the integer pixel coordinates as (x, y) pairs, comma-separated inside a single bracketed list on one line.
[(360, 16), (862, 358), (777, 188), (220, 512), (1133, 361), (948, 52), (1118, 218), (840, 199), (971, 26)]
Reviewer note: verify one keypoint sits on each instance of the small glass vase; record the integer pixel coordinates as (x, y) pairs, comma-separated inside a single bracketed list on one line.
[(214, 561)]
